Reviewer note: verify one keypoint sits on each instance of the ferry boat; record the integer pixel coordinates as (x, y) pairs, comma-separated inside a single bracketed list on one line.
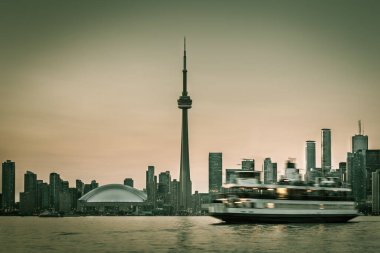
[(252, 202)]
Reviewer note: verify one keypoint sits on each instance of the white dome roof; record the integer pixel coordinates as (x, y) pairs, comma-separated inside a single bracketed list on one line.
[(114, 193)]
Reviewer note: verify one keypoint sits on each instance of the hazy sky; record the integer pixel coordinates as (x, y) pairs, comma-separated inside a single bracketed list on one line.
[(89, 89)]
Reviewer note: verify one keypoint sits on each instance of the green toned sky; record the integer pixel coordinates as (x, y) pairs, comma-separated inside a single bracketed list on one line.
[(89, 88)]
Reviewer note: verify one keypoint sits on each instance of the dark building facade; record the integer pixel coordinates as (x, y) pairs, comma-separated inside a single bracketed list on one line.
[(8, 185), (128, 182), (310, 156), (151, 186), (270, 171), (163, 190), (248, 164), (215, 168), (55, 184), (29, 198), (359, 141), (326, 150)]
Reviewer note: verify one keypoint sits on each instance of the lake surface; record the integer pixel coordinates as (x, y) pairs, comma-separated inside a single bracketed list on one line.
[(183, 234)]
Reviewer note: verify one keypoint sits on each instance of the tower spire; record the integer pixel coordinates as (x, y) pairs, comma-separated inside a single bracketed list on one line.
[(184, 71), (360, 127)]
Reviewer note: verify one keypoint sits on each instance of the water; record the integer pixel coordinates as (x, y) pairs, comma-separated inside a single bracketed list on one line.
[(182, 234)]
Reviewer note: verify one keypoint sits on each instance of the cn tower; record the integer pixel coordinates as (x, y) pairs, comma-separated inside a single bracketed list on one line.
[(184, 103)]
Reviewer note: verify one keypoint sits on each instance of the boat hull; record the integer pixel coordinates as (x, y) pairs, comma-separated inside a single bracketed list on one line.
[(284, 218)]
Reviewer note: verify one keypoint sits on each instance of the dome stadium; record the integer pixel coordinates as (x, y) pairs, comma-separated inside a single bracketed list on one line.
[(111, 199)]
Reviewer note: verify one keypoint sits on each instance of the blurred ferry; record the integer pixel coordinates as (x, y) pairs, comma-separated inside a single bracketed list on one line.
[(249, 201)]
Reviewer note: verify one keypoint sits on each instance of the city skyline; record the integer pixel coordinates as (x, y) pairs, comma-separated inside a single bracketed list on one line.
[(78, 99)]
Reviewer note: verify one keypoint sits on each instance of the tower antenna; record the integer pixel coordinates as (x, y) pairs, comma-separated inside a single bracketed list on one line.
[(360, 127)]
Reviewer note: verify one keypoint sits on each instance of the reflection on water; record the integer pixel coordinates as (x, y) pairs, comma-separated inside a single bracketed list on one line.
[(182, 234)]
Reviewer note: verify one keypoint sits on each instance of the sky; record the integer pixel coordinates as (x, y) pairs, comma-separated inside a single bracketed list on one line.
[(89, 89)]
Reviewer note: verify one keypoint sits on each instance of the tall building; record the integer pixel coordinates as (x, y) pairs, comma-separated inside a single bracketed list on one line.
[(150, 185), (30, 186), (310, 160), (43, 195), (163, 189), (79, 185), (357, 162), (270, 171), (326, 151), (343, 172), (359, 141), (310, 155), (184, 103), (215, 164), (8, 185), (361, 165), (376, 192), (248, 164), (175, 195), (372, 164), (291, 172), (128, 182), (55, 183)]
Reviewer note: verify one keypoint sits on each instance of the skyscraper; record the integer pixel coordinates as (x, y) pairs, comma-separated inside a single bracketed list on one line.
[(326, 151), (215, 164), (150, 185), (128, 181), (376, 192), (310, 155), (8, 185), (184, 103), (248, 164), (55, 183), (30, 186), (163, 189), (310, 159), (270, 171), (359, 141)]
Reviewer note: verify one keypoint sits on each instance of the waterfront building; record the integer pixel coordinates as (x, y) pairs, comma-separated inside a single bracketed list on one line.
[(215, 164), (164, 180), (30, 187), (184, 103), (310, 155), (230, 175), (291, 172), (55, 183), (359, 141), (151, 185), (65, 201), (359, 176), (112, 199), (376, 192), (65, 185), (326, 150), (200, 200), (372, 164), (27, 203), (270, 171), (314, 174), (94, 184), (128, 182), (79, 185), (175, 195), (43, 195), (248, 164), (8, 185)]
